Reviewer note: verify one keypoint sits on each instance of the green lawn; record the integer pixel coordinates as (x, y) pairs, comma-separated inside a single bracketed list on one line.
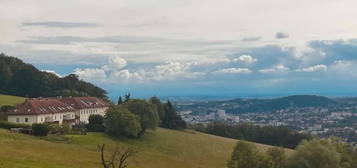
[(162, 148), (10, 100)]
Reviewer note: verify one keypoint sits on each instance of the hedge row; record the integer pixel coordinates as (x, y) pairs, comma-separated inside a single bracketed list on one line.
[(8, 125)]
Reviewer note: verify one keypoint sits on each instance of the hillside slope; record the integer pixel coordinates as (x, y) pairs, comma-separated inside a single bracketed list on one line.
[(23, 79), (162, 148), (10, 100)]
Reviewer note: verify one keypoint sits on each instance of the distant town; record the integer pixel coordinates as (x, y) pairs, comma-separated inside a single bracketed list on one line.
[(320, 120)]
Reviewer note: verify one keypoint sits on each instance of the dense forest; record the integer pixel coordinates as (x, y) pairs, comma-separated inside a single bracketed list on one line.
[(22, 79), (270, 135)]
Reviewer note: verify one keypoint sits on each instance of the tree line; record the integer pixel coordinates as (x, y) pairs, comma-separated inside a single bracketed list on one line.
[(21, 79), (133, 117), (270, 135), (315, 153)]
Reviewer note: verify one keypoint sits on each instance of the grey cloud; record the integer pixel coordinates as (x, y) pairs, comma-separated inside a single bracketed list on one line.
[(119, 39), (281, 35), (60, 57), (53, 40), (55, 24), (247, 39)]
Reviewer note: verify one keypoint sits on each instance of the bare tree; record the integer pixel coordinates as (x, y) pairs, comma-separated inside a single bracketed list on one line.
[(118, 158)]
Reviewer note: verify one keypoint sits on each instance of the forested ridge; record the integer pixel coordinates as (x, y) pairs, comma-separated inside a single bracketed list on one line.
[(23, 79)]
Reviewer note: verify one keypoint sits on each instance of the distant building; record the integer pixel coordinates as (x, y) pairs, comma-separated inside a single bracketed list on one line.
[(57, 110), (221, 114)]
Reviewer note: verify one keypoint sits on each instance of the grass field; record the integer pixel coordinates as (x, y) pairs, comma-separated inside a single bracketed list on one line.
[(158, 149), (10, 100)]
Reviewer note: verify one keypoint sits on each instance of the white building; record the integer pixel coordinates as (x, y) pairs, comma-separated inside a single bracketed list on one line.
[(86, 106), (58, 110), (42, 110), (221, 114)]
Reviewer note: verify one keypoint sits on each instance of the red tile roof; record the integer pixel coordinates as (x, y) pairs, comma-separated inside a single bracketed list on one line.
[(85, 102), (41, 106), (35, 106)]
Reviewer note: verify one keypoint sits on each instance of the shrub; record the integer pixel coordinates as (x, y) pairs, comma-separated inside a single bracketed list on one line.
[(40, 129), (96, 119), (96, 123), (324, 153), (246, 155), (8, 125)]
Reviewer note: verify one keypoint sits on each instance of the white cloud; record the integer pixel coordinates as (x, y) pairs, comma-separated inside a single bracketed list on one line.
[(313, 68), (126, 75), (170, 70), (247, 59), (344, 68), (114, 72), (91, 74), (276, 68), (52, 72), (115, 63), (233, 71), (342, 65)]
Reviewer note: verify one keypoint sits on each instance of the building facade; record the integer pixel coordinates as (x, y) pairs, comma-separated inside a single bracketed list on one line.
[(73, 110), (42, 110), (86, 106)]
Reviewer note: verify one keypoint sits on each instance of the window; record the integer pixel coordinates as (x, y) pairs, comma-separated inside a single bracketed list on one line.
[(26, 120), (17, 120)]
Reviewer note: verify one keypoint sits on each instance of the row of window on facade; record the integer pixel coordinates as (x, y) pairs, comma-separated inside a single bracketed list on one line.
[(43, 118), (90, 111)]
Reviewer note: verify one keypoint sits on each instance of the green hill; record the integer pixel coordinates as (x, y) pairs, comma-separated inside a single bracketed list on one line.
[(162, 148), (23, 79), (10, 100)]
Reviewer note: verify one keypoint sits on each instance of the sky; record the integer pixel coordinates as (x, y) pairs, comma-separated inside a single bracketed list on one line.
[(233, 48)]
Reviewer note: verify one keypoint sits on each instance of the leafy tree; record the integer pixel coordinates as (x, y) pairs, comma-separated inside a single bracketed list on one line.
[(159, 107), (119, 121), (146, 112), (246, 155), (315, 154), (277, 156), (40, 129), (171, 119), (96, 123), (127, 97)]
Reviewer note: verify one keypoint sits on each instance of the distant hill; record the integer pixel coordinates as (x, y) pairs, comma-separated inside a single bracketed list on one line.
[(162, 148), (296, 101), (6, 100), (22, 79), (261, 105)]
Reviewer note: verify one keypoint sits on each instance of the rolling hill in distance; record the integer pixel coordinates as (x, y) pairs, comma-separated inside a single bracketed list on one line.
[(246, 105)]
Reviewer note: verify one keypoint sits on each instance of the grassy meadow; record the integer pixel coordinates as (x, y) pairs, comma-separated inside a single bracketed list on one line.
[(162, 148), (10, 100)]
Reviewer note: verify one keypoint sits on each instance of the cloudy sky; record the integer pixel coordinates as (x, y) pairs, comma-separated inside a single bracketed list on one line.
[(190, 47)]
